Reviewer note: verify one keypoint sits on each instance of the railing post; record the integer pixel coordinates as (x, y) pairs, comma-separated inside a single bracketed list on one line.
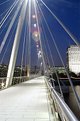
[(61, 107)]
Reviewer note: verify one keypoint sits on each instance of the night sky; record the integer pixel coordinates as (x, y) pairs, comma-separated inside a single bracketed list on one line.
[(68, 11)]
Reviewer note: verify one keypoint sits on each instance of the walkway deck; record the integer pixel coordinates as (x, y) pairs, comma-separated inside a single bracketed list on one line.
[(25, 102)]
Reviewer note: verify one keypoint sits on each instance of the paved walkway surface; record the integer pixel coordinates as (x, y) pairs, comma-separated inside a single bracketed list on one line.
[(27, 101)]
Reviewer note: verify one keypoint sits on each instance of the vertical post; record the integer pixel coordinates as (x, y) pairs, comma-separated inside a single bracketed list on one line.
[(16, 45), (28, 71), (29, 48)]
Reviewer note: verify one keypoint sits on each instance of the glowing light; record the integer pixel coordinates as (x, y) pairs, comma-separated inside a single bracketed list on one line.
[(36, 36), (37, 46), (41, 63), (35, 25), (39, 54), (34, 16)]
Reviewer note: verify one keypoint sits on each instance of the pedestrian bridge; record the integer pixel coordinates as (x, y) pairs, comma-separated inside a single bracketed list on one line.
[(29, 101)]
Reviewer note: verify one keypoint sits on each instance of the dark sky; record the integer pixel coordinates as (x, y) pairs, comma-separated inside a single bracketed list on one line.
[(68, 11)]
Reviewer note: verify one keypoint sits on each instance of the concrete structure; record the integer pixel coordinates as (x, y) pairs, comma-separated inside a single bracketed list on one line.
[(74, 59)]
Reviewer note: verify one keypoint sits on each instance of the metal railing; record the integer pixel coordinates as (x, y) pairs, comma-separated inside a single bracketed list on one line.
[(16, 80), (60, 106)]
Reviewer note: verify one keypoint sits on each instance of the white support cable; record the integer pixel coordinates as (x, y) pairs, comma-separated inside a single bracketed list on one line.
[(8, 13), (8, 44), (3, 22), (10, 26), (4, 2), (26, 50), (38, 59), (62, 25), (23, 50), (47, 61), (24, 47), (35, 7), (46, 52), (51, 54), (5, 25), (4, 12), (29, 35), (26, 41), (8, 10), (74, 91), (55, 70), (54, 67)]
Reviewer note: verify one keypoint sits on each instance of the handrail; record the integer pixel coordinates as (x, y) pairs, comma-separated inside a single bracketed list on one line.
[(16, 80), (13, 77), (68, 114), (20, 77)]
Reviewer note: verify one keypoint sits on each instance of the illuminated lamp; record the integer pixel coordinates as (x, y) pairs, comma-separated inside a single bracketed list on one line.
[(37, 46), (35, 36), (35, 25), (34, 16), (39, 54), (41, 63)]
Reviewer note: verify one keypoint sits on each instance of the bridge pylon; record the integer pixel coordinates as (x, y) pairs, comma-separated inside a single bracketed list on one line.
[(16, 45)]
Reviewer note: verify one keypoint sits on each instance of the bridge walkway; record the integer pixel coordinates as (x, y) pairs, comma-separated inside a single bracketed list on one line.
[(27, 101)]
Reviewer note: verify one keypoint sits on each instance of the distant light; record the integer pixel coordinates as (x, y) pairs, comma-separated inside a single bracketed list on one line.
[(37, 46), (35, 25), (35, 36), (34, 16), (39, 54), (39, 51), (41, 63)]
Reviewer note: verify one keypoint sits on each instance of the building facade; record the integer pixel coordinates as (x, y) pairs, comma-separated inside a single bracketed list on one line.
[(74, 59)]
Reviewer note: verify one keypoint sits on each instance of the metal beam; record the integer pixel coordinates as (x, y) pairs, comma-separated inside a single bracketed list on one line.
[(16, 45)]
